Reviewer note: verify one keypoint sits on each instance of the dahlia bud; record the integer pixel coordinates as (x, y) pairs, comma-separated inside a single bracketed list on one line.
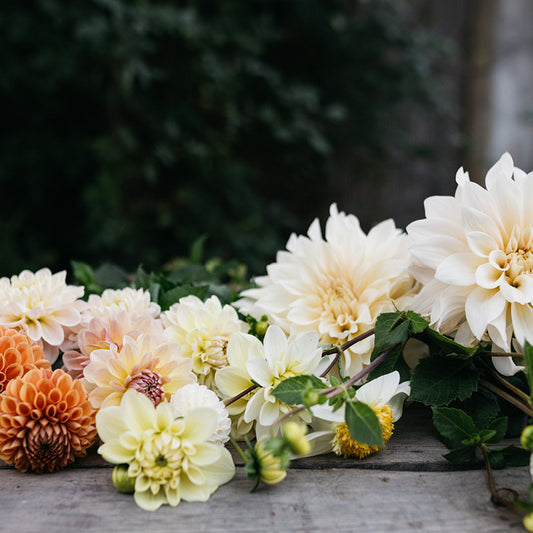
[(526, 439), (122, 481), (294, 435)]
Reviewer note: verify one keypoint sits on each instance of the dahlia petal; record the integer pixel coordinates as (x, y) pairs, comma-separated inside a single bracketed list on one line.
[(253, 407), (190, 492), (110, 423), (260, 371), (200, 424), (501, 170), (221, 471), (488, 277), (114, 452), (506, 366), (522, 317), (475, 220), (269, 413), (148, 501), (458, 269), (475, 310), (232, 380), (380, 390), (275, 344), (138, 411), (205, 454), (66, 316), (320, 442), (481, 243)]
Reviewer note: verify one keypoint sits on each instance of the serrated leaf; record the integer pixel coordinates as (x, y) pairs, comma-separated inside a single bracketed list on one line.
[(499, 426), (462, 455), (482, 406), (397, 335), (439, 380), (363, 424), (291, 390), (440, 345), (394, 361), (417, 324), (454, 424)]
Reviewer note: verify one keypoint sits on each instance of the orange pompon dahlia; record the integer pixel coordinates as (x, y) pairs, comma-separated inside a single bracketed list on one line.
[(46, 421), (18, 355)]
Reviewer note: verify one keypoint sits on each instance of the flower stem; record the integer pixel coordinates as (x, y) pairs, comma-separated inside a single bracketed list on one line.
[(520, 393), (239, 449), (350, 343), (506, 396), (240, 395)]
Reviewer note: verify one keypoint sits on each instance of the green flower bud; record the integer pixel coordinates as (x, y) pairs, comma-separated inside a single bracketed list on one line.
[(310, 398), (528, 520), (526, 439), (294, 435), (122, 481)]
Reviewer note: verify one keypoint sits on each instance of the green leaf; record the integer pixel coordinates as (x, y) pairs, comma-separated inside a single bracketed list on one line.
[(515, 456), (462, 455), (497, 460), (291, 390), (363, 424), (482, 406), (499, 426), (439, 380), (394, 361), (528, 358), (387, 335), (440, 345), (168, 298), (417, 324), (454, 424)]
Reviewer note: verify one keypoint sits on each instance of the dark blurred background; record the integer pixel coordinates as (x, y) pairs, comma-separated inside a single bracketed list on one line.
[(131, 129)]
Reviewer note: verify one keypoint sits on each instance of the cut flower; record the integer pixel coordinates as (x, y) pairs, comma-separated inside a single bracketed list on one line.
[(473, 253), (46, 421), (385, 395), (170, 458), (336, 286)]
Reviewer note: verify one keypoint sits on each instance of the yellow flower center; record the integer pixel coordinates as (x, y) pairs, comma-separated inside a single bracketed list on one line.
[(215, 352), (344, 445), (518, 255)]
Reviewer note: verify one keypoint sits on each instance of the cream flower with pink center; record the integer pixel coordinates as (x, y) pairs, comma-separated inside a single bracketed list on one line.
[(474, 255), (335, 286), (43, 306), (145, 364)]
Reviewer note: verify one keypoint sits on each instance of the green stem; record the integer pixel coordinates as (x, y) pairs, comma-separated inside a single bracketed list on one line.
[(511, 399), (239, 449), (520, 393), (496, 498)]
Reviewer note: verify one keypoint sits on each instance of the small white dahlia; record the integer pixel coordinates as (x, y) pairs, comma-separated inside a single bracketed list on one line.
[(385, 395), (147, 364), (276, 360), (113, 301), (336, 286), (43, 306), (203, 330), (194, 396), (473, 253)]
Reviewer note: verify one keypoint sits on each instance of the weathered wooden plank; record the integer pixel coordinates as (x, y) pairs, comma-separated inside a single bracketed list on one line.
[(308, 500)]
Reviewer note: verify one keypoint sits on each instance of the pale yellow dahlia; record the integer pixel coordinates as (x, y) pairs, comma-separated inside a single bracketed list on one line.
[(43, 306), (385, 395), (473, 253), (169, 458), (336, 286), (101, 333), (203, 330), (146, 364), (46, 421)]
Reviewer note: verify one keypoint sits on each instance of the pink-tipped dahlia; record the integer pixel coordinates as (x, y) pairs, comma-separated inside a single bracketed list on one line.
[(18, 355), (46, 421)]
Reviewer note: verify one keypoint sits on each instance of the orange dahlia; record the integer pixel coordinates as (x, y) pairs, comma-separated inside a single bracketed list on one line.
[(18, 355), (46, 421)]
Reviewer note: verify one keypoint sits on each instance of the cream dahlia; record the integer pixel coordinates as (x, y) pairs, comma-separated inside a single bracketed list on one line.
[(169, 458), (113, 301), (146, 364), (336, 286), (42, 305), (46, 421), (473, 254), (203, 330)]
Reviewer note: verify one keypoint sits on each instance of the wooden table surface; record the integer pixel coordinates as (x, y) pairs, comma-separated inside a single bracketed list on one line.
[(407, 487)]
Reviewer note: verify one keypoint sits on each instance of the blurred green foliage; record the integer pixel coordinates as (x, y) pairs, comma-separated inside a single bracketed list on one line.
[(133, 128)]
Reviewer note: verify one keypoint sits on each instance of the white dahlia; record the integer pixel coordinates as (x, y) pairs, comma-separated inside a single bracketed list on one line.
[(336, 286), (474, 255), (113, 301), (203, 330), (194, 396), (42, 305)]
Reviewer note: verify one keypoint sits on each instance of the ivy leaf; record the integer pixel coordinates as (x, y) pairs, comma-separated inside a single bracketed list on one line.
[(439, 380), (292, 390), (454, 424), (363, 424)]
